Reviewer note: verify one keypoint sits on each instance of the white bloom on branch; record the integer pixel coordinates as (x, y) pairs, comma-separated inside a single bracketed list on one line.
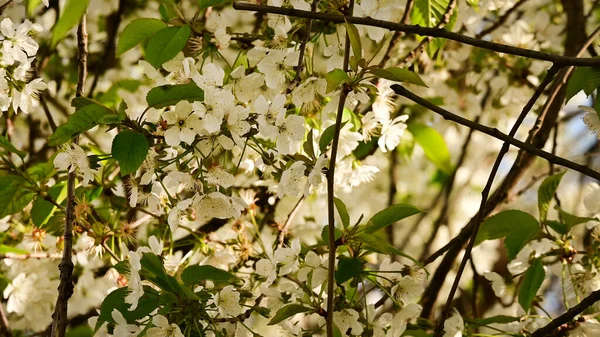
[(28, 97), (391, 132), (407, 290), (228, 302), (122, 328), (454, 325), (591, 119), (498, 284), (212, 77), (17, 44), (74, 159), (348, 319), (184, 124), (277, 67), (293, 180), (162, 328)]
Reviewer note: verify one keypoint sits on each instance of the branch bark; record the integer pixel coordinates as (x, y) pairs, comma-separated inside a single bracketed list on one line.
[(568, 316), (65, 288)]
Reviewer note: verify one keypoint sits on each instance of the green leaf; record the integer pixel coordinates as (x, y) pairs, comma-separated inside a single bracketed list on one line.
[(389, 216), (571, 220), (347, 268), (129, 149), (287, 312), (433, 145), (308, 145), (517, 226), (502, 319), (42, 209), (8, 146), (196, 274), (325, 233), (354, 39), (546, 193), (473, 3), (167, 95), (82, 330), (428, 12), (32, 6), (335, 78), (326, 138), (137, 31), (342, 211), (4, 249), (532, 281), (13, 196), (204, 4), (583, 78), (166, 44), (69, 18), (399, 75), (558, 226), (380, 245), (88, 115), (116, 300)]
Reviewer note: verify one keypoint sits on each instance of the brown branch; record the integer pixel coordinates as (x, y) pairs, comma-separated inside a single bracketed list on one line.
[(424, 31), (303, 44), (5, 6), (396, 38), (497, 134), (568, 316), (332, 244), (421, 47), (501, 20), (283, 230), (65, 288), (4, 327)]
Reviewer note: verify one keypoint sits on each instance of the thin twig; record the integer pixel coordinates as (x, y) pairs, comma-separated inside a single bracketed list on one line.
[(303, 44), (5, 328), (288, 221), (423, 44), (5, 6), (65, 288), (497, 134), (501, 20), (486, 191), (331, 244), (397, 37), (568, 316), (425, 31)]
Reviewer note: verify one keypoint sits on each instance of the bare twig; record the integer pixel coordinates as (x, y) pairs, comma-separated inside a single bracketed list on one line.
[(425, 31), (397, 35), (5, 328), (497, 134), (283, 230), (501, 20), (5, 6), (65, 288), (303, 44), (331, 244), (568, 316)]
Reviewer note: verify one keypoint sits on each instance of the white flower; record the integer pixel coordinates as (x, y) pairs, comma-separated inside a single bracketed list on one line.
[(287, 257), (17, 45), (308, 91), (266, 268), (335, 52), (219, 176), (212, 76), (407, 290), (28, 98), (591, 119), (19, 292), (315, 268), (228, 302), (74, 159), (268, 113), (316, 177), (4, 91), (162, 328), (178, 214), (217, 24), (454, 325), (276, 67), (589, 328), (391, 132), (136, 289), (498, 284), (347, 319), (122, 328), (591, 198), (292, 180), (184, 124), (291, 133), (218, 205)]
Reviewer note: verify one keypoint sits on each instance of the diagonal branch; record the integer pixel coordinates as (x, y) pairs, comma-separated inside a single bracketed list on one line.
[(568, 316), (497, 134), (424, 31)]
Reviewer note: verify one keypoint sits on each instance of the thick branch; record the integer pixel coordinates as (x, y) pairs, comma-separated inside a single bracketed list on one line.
[(424, 31), (568, 316), (497, 134)]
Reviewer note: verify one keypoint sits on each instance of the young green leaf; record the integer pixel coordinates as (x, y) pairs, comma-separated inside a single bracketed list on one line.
[(8, 146), (160, 97), (335, 78), (398, 75), (325, 233), (129, 149), (69, 18), (308, 145), (532, 281), (42, 209), (433, 145), (88, 115), (166, 44), (137, 31), (287, 312), (4, 249), (389, 216), (326, 138), (116, 300), (571, 219), (14, 195), (517, 226), (546, 193), (348, 268), (583, 78), (196, 274), (354, 40), (380, 245), (342, 211)]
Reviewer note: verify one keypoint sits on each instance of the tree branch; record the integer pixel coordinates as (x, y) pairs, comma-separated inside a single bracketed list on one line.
[(501, 20), (568, 316), (65, 288), (424, 31)]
